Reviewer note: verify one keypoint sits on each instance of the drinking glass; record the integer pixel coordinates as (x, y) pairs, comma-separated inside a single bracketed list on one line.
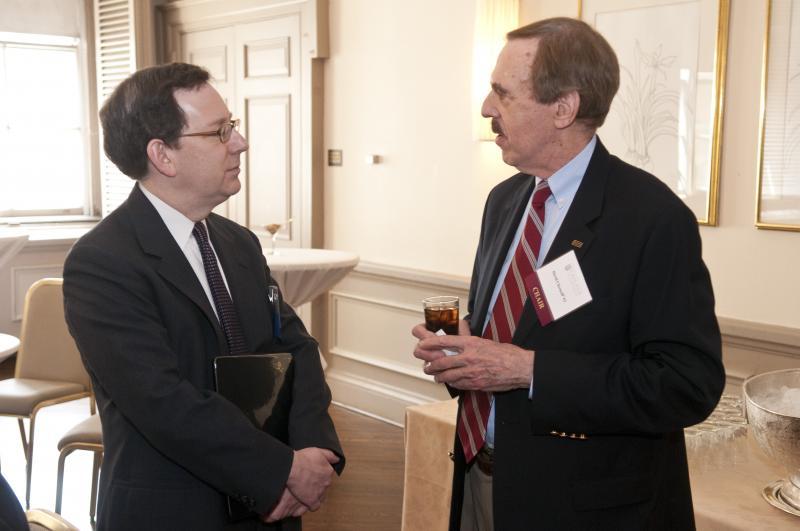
[(441, 313)]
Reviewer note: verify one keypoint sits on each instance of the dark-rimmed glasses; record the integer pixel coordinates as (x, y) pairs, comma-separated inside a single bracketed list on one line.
[(224, 131)]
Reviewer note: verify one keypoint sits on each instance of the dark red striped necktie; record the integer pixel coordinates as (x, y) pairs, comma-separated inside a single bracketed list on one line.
[(471, 425), (222, 299)]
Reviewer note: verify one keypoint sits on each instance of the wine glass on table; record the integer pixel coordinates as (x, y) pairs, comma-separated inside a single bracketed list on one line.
[(273, 229)]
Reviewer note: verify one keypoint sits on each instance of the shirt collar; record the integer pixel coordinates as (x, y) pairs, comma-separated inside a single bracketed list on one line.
[(564, 183), (178, 225)]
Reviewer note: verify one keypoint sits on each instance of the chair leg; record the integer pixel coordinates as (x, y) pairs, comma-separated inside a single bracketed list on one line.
[(60, 477), (98, 458), (23, 436), (27, 446)]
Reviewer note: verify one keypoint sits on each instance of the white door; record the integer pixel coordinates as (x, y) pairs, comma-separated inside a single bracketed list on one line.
[(256, 68)]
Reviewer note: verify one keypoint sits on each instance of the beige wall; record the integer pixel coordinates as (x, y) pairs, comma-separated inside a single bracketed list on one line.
[(754, 271), (398, 85)]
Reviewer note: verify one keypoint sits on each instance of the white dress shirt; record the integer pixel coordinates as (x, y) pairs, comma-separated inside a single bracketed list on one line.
[(181, 229)]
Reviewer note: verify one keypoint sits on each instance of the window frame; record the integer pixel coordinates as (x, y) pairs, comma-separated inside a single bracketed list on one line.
[(85, 77)]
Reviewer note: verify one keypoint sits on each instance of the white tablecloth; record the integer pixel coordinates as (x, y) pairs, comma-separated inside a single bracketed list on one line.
[(9, 247), (8, 346), (727, 495), (726, 489), (304, 274)]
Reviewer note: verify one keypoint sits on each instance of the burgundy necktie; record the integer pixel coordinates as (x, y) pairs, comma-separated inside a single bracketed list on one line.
[(505, 316), (222, 299)]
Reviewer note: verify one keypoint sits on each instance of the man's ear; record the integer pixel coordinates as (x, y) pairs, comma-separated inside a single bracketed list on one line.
[(567, 106), (159, 155)]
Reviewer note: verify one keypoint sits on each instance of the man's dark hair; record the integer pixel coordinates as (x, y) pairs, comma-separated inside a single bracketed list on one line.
[(573, 56), (142, 108)]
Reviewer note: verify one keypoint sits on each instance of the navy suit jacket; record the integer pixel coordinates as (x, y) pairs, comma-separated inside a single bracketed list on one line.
[(628, 371), (148, 337), (11, 514)]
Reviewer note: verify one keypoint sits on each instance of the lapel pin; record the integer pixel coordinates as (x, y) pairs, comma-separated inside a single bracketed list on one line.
[(577, 244)]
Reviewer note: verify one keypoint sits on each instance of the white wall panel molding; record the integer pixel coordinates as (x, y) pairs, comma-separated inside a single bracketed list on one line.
[(389, 378), (369, 342), (415, 277), (56, 244), (267, 58), (215, 60), (772, 339), (387, 365), (372, 398), (386, 303), (22, 277), (751, 348), (271, 186), (43, 256)]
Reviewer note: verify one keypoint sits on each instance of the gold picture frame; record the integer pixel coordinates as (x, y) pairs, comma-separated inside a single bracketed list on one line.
[(778, 192), (667, 115)]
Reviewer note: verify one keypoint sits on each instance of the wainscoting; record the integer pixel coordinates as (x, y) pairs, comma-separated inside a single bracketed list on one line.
[(43, 256), (371, 368), (751, 348), (369, 343)]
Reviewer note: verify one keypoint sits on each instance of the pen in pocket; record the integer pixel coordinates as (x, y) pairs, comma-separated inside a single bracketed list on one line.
[(274, 297)]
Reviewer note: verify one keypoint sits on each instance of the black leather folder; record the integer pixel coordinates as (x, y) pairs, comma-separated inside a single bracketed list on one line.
[(260, 385)]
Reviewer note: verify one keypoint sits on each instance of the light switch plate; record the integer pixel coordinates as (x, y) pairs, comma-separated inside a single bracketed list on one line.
[(334, 157)]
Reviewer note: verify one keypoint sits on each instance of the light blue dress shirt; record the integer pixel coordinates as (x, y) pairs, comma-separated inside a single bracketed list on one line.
[(563, 184)]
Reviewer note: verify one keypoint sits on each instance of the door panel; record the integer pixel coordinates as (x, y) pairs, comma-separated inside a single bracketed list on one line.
[(213, 50), (269, 123), (269, 61), (255, 67)]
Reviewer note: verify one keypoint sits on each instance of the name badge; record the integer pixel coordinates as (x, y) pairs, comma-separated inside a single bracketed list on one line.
[(557, 288)]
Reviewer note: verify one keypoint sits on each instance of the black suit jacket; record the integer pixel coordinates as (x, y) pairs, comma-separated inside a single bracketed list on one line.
[(12, 516), (628, 371), (148, 337)]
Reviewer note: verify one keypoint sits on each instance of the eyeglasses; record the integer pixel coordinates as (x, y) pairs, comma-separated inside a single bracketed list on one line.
[(224, 131)]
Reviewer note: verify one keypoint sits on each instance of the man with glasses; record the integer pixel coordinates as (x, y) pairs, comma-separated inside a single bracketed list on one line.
[(160, 288)]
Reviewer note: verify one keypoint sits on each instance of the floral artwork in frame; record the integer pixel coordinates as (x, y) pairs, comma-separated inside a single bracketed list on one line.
[(667, 115)]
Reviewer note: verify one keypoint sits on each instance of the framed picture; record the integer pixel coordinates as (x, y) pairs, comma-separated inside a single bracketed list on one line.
[(778, 203), (667, 115)]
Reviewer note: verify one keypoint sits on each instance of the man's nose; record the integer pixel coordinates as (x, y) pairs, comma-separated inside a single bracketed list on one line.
[(238, 143), (488, 109)]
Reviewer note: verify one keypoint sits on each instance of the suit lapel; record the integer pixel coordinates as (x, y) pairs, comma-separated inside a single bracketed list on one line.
[(587, 206), (156, 241), (575, 233), (507, 219)]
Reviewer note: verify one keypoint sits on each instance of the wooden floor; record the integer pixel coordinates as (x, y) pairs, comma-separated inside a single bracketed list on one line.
[(368, 495)]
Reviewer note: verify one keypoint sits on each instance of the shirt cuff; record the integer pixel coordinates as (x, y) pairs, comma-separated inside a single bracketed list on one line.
[(530, 388)]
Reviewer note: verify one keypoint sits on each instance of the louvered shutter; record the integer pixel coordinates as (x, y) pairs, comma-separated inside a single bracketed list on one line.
[(116, 60)]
